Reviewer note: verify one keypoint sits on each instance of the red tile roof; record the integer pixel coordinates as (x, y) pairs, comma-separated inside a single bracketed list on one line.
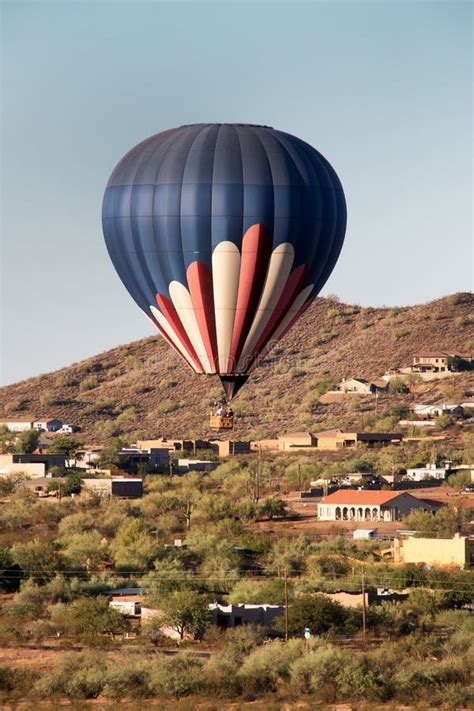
[(369, 498)]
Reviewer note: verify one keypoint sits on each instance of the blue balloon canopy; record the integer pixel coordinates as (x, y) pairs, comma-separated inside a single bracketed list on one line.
[(223, 234)]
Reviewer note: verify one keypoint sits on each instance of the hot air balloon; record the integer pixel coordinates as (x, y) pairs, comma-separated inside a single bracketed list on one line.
[(223, 234)]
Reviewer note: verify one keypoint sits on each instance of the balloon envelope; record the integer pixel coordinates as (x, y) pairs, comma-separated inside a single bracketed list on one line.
[(223, 234)]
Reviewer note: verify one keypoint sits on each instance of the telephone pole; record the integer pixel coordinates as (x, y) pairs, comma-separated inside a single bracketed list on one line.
[(286, 605), (364, 607), (257, 475)]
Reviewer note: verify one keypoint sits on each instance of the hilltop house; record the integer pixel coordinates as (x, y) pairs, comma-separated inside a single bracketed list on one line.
[(360, 386), (338, 439), (426, 412), (296, 440), (47, 424), (18, 424), (229, 447), (350, 505), (437, 361)]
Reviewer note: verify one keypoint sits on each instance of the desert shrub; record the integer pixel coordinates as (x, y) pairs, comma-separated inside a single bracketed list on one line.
[(397, 385), (179, 675), (358, 679), (89, 383), (262, 668), (15, 405), (75, 676), (7, 679), (166, 406), (125, 679), (415, 679), (220, 677), (141, 388), (315, 671)]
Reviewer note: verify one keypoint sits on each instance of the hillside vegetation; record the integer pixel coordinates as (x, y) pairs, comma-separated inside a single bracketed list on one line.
[(145, 389)]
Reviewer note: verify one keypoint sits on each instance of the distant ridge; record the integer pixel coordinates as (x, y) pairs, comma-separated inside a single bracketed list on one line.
[(144, 389)]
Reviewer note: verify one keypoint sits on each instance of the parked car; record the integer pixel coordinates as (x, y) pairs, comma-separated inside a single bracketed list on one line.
[(69, 429)]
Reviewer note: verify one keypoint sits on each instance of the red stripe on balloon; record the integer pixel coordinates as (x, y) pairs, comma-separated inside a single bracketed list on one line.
[(288, 295), (169, 312), (163, 333), (200, 288), (256, 252), (297, 315)]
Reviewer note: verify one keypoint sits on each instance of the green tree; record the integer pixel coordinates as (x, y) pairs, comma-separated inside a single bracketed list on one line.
[(459, 480), (10, 572), (133, 547), (88, 617), (84, 550), (168, 576), (27, 441), (37, 559), (7, 441), (65, 445), (318, 612), (187, 611), (272, 508), (71, 485), (447, 521)]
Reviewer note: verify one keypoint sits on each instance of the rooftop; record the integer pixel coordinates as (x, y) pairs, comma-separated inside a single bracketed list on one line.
[(349, 496)]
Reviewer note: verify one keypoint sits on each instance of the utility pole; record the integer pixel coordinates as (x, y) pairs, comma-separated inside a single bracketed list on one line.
[(364, 607), (286, 605), (257, 475)]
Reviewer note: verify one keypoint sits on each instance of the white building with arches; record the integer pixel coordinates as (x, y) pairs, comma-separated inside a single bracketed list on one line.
[(351, 505)]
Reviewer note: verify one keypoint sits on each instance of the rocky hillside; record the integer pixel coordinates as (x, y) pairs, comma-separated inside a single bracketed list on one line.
[(144, 389)]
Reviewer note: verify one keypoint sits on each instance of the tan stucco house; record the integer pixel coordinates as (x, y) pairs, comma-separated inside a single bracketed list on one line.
[(338, 439), (457, 551)]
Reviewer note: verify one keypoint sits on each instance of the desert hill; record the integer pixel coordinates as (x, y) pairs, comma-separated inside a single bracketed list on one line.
[(144, 389)]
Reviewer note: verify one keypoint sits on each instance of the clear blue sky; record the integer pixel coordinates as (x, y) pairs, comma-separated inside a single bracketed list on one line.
[(383, 89)]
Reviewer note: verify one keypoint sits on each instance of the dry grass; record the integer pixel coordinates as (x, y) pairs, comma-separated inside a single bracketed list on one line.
[(331, 341)]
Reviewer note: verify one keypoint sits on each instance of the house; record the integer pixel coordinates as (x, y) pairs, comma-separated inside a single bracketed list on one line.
[(296, 440), (338, 439), (360, 386), (350, 505), (174, 444), (119, 487), (437, 361), (18, 424), (29, 469), (269, 445), (39, 485), (228, 447), (457, 551), (426, 412), (367, 479), (47, 424), (46, 460), (153, 459), (242, 614), (430, 471)]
